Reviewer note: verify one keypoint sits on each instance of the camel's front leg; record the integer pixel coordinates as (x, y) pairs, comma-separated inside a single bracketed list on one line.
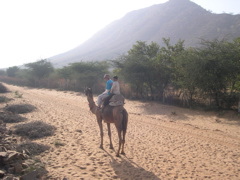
[(110, 135), (101, 131), (125, 121)]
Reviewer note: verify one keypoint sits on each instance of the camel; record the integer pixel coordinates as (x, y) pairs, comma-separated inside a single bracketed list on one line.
[(110, 114)]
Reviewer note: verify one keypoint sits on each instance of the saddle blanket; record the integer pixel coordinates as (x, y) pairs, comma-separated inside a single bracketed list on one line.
[(117, 100)]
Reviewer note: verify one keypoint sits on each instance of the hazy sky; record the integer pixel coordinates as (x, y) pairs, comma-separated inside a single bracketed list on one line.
[(31, 30)]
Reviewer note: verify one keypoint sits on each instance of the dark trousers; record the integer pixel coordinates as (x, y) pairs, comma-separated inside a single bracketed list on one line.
[(107, 99)]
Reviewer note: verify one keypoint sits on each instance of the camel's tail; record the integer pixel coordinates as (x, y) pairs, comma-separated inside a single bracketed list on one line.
[(125, 120)]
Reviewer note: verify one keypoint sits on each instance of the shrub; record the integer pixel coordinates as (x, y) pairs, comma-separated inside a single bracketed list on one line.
[(9, 117), (3, 88), (59, 143), (4, 99), (18, 95), (32, 148), (34, 130), (20, 108)]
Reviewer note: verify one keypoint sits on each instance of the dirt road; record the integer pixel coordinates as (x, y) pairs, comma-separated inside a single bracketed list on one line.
[(162, 142)]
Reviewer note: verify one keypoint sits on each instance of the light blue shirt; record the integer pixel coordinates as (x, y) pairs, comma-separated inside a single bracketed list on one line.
[(109, 85)]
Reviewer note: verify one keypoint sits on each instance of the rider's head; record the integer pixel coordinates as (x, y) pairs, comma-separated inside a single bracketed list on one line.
[(106, 77), (115, 78)]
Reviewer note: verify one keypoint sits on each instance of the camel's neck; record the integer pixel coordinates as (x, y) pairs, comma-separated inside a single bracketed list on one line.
[(92, 105)]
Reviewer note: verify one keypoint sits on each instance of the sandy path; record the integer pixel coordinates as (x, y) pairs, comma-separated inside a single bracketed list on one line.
[(162, 142)]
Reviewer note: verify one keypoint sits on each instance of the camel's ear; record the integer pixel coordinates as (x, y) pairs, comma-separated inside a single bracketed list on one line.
[(86, 90)]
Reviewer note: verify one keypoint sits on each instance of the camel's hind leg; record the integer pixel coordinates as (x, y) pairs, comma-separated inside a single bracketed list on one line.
[(121, 120), (123, 142), (110, 135), (120, 142), (119, 126)]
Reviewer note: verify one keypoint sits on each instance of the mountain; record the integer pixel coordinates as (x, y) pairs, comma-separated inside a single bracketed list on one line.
[(175, 19)]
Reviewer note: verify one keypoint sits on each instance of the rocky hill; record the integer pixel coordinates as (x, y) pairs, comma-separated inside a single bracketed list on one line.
[(175, 19)]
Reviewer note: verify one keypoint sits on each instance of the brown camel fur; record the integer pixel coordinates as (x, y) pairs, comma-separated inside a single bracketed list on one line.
[(110, 114)]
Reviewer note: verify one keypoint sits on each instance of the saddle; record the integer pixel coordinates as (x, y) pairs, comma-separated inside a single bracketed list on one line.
[(114, 100)]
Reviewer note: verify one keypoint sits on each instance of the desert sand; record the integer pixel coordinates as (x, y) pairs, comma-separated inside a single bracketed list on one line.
[(162, 142)]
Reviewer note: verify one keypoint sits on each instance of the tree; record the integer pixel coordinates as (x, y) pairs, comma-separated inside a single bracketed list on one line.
[(137, 68), (2, 73), (40, 69), (165, 65), (65, 73), (186, 65), (12, 71), (149, 68), (88, 74), (234, 55), (217, 69)]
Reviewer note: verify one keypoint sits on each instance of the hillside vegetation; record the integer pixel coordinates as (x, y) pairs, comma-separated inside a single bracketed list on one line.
[(207, 76)]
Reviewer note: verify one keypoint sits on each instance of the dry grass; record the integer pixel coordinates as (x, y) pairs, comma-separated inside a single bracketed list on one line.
[(18, 95), (20, 108), (34, 130), (32, 148), (4, 99), (58, 143), (3, 88), (9, 117)]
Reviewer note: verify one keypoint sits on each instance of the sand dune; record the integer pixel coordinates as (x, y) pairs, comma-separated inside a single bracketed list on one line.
[(162, 142)]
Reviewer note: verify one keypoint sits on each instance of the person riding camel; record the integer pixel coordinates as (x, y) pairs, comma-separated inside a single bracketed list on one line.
[(115, 86), (106, 93), (115, 90)]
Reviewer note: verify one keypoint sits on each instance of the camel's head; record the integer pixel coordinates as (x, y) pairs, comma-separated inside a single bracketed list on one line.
[(88, 91)]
